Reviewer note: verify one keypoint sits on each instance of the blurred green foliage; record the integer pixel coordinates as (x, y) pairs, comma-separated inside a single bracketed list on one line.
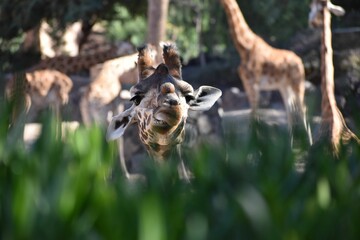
[(72, 188), (22, 15), (276, 20), (126, 27)]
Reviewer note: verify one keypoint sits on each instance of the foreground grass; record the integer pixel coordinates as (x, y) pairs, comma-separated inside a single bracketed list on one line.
[(73, 189)]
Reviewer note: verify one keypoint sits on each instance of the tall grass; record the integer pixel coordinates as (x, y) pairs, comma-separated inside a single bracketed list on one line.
[(72, 188)]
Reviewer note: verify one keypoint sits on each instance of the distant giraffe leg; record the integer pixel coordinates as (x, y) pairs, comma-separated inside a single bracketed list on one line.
[(289, 99), (32, 113), (299, 106), (56, 108), (55, 112), (252, 91), (298, 87), (295, 113), (84, 109), (301, 111)]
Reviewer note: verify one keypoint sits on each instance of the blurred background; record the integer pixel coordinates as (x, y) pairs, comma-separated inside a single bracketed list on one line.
[(38, 29)]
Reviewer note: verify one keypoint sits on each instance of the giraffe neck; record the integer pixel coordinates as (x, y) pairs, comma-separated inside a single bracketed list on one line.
[(333, 122), (161, 147), (160, 153), (243, 37), (71, 65), (328, 103), (117, 68)]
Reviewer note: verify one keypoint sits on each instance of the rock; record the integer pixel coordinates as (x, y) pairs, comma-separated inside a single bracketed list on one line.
[(233, 99)]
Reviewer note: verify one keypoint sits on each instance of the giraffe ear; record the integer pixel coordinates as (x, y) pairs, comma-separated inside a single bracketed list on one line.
[(204, 98), (119, 123)]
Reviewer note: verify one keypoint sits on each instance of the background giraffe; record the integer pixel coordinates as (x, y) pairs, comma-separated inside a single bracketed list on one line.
[(266, 68), (75, 64), (333, 125), (161, 100), (55, 71), (34, 91), (101, 96)]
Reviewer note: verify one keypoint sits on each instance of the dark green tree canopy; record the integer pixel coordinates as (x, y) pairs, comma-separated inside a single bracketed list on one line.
[(17, 16)]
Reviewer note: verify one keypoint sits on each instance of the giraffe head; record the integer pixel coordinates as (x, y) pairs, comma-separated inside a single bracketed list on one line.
[(161, 100), (316, 8)]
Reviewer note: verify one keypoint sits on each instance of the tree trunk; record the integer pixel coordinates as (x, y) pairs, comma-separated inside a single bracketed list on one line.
[(32, 40), (157, 18), (85, 32)]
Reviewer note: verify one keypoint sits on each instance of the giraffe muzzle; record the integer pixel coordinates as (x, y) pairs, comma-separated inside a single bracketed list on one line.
[(166, 117)]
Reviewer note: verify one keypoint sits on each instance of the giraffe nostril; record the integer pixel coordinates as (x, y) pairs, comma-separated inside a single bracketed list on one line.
[(173, 102)]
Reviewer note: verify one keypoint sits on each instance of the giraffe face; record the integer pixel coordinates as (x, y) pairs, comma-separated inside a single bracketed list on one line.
[(316, 11), (161, 100)]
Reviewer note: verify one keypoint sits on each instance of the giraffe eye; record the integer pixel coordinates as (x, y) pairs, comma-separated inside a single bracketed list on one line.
[(189, 98), (136, 99)]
